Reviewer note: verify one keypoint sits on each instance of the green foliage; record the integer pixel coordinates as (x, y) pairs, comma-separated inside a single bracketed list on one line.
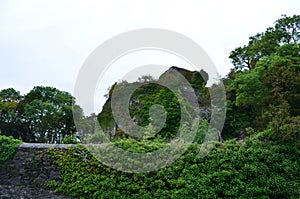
[(257, 97), (42, 115), (263, 113), (286, 31), (10, 116), (147, 95), (142, 146), (8, 146), (250, 89), (49, 113), (153, 94), (288, 28), (259, 168), (70, 140)]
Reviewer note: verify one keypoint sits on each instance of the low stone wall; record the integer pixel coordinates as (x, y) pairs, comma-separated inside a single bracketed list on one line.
[(30, 168), (23, 192)]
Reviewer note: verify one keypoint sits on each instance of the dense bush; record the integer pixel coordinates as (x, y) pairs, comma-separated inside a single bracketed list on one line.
[(255, 169), (8, 146)]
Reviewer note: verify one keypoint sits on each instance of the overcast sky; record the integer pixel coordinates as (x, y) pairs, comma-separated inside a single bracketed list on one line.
[(46, 42)]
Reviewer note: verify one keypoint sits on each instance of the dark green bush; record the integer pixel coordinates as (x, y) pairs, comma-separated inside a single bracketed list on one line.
[(253, 169), (8, 146)]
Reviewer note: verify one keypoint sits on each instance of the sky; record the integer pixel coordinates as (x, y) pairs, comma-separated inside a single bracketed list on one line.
[(46, 42)]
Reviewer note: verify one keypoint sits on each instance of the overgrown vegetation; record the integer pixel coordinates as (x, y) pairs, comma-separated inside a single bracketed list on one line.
[(260, 155), (150, 93), (8, 146), (263, 90), (263, 93), (258, 168)]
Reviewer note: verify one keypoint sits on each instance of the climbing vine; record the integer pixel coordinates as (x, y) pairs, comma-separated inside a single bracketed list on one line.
[(231, 170), (8, 146)]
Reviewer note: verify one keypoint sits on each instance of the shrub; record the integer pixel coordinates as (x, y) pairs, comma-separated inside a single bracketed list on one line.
[(253, 169), (8, 146)]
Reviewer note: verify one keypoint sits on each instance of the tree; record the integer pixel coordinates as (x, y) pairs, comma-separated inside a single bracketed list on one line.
[(250, 90), (48, 113), (258, 96), (282, 77), (145, 78), (260, 45), (286, 30), (10, 120)]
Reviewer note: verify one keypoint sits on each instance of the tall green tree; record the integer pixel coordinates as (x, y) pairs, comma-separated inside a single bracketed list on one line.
[(10, 113), (285, 31), (48, 112), (265, 80), (288, 29), (260, 96)]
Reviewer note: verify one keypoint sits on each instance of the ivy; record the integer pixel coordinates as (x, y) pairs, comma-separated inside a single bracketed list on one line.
[(231, 170), (8, 146)]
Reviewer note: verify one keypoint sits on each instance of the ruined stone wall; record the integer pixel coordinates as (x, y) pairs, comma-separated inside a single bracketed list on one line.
[(29, 169)]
